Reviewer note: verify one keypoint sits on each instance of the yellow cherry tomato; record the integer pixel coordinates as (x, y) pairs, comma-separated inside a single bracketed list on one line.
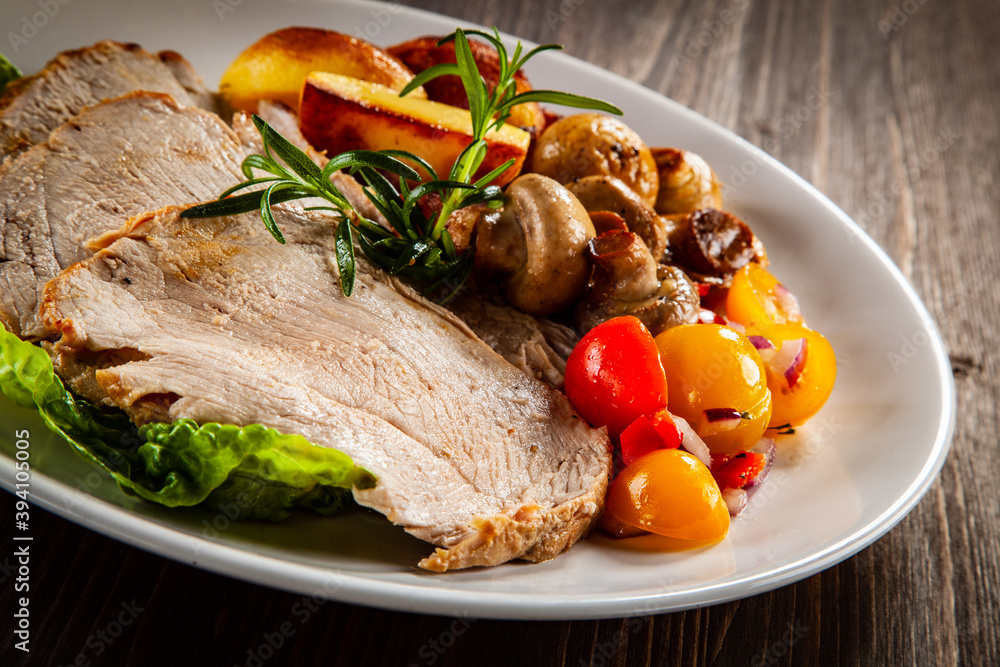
[(798, 390), (716, 381), (669, 492), (756, 298)]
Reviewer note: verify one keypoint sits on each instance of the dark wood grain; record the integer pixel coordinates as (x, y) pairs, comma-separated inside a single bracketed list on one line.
[(906, 139)]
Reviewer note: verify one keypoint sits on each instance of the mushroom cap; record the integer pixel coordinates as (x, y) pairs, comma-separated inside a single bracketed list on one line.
[(627, 281), (555, 228), (687, 182), (593, 144), (607, 193)]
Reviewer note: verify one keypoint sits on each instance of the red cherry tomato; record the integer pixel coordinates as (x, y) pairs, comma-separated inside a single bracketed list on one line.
[(647, 434), (735, 472), (614, 376)]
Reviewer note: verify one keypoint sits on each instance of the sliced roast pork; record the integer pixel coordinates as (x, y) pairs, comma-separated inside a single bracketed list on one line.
[(212, 320), (539, 347), (193, 84), (139, 153), (33, 106), (120, 158)]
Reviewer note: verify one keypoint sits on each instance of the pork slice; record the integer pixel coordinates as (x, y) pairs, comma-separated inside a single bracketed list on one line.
[(213, 320), (189, 79), (33, 106), (123, 157), (539, 347)]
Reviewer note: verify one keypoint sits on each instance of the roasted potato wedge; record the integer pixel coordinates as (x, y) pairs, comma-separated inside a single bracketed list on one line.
[(275, 66), (339, 113), (422, 53)]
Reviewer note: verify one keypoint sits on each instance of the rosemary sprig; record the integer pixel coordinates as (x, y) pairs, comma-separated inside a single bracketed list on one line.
[(415, 247), (404, 250), (490, 110)]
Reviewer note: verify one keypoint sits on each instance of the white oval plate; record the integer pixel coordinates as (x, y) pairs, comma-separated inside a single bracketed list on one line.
[(838, 485)]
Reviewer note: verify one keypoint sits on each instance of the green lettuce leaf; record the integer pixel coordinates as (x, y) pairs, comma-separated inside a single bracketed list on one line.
[(252, 472), (8, 72)]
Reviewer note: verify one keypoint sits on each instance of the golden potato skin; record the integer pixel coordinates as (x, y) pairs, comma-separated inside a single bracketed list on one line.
[(339, 114), (423, 52), (596, 145), (275, 66)]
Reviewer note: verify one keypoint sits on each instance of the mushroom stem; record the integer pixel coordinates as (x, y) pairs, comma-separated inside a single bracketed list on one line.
[(628, 281)]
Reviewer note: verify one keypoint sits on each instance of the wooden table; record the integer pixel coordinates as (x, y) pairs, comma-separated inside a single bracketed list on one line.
[(894, 78)]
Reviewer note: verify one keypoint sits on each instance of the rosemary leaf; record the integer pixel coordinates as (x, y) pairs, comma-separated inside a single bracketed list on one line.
[(345, 256), (431, 72), (565, 99), (244, 203), (485, 180), (488, 194), (516, 64), (262, 163), (247, 184), (384, 161), (298, 161), (405, 155), (475, 87), (267, 216), (410, 256)]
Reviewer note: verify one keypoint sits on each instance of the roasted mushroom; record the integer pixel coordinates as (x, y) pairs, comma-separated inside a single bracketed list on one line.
[(711, 245), (596, 145), (536, 245), (628, 281), (607, 193), (687, 183)]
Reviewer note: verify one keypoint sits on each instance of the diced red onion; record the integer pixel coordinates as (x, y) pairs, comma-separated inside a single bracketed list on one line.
[(736, 501), (721, 414), (789, 360), (766, 447), (764, 347), (735, 325), (691, 442), (720, 420), (788, 303)]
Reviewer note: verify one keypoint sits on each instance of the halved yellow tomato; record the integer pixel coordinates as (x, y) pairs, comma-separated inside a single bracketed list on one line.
[(801, 377), (756, 298), (716, 381), (669, 492)]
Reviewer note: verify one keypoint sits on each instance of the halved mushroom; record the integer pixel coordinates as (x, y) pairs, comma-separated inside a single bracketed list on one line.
[(536, 244), (628, 281), (711, 245), (607, 193), (606, 221), (593, 144), (687, 183)]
